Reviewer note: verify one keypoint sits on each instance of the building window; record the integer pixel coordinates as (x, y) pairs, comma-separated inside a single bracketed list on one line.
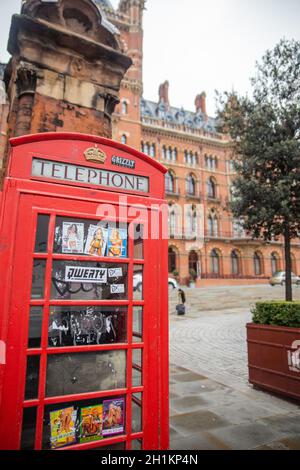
[(124, 107), (275, 263), (190, 158), (170, 182), (172, 260), (294, 264), (169, 154), (172, 224), (194, 268), (215, 262), (211, 188), (237, 228), (257, 259), (174, 155), (124, 139), (213, 225), (211, 163), (152, 150), (191, 185), (235, 263)]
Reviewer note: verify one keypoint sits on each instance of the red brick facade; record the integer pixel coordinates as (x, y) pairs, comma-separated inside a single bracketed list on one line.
[(200, 162)]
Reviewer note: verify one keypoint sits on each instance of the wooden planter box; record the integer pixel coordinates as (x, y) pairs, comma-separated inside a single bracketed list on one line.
[(274, 358)]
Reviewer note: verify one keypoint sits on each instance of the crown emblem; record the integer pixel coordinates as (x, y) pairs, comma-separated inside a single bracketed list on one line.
[(94, 154)]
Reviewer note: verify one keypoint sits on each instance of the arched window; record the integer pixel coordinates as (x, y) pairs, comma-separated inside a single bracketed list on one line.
[(172, 260), (152, 150), (164, 152), (215, 262), (170, 182), (146, 148), (213, 225), (124, 139), (257, 259), (169, 154), (174, 155), (275, 263), (294, 265), (211, 188), (124, 107), (235, 263), (191, 185), (172, 223)]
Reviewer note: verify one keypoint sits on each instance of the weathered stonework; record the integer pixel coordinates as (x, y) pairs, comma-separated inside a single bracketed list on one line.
[(66, 68)]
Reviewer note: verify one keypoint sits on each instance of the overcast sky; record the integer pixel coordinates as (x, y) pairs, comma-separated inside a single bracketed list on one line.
[(200, 44)]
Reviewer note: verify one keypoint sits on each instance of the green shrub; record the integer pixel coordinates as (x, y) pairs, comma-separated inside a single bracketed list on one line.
[(277, 314)]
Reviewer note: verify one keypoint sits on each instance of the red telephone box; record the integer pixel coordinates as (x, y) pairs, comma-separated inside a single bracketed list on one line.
[(84, 308)]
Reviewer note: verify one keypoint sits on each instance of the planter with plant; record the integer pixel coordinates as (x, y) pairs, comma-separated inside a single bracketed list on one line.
[(274, 347)]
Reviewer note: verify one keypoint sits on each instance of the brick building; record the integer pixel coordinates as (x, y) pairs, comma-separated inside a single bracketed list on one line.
[(72, 81)]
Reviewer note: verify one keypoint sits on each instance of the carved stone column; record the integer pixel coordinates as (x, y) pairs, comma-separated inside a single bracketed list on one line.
[(26, 86)]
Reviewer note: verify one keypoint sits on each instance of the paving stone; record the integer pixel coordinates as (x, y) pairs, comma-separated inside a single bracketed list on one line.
[(247, 437), (187, 377), (190, 423), (285, 423), (239, 412), (194, 388), (188, 403), (200, 441)]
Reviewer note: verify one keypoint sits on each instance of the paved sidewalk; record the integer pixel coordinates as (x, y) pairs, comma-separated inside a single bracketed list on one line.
[(212, 404), (207, 415)]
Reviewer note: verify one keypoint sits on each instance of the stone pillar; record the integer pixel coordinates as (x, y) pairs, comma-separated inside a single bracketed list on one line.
[(26, 86)]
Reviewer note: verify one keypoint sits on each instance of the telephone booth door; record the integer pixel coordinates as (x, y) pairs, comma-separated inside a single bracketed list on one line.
[(85, 331)]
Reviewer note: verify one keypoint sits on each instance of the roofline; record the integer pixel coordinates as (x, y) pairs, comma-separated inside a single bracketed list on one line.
[(46, 136)]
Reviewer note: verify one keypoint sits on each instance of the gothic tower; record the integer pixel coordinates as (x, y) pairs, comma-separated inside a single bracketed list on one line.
[(127, 120)]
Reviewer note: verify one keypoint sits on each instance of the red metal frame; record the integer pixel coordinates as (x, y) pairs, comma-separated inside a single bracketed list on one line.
[(23, 199)]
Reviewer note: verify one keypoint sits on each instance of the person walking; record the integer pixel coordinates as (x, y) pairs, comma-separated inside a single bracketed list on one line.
[(180, 308)]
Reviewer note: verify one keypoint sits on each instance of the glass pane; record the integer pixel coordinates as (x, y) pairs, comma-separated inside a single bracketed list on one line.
[(83, 422), (73, 280), (90, 237), (32, 377), (137, 445), (85, 373), (42, 229), (136, 424), (35, 327), (38, 279), (138, 252), (137, 368), (137, 324), (78, 326), (138, 278), (28, 429)]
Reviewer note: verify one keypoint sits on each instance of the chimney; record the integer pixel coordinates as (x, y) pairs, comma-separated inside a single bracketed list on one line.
[(164, 93), (200, 103)]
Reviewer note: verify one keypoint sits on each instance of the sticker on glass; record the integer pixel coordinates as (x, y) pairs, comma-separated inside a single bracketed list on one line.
[(96, 243), (113, 417), (63, 427), (91, 424), (117, 289), (115, 272), (117, 243), (72, 237), (86, 275)]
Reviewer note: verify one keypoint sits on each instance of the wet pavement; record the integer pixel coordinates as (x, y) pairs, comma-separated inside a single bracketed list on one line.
[(213, 407)]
